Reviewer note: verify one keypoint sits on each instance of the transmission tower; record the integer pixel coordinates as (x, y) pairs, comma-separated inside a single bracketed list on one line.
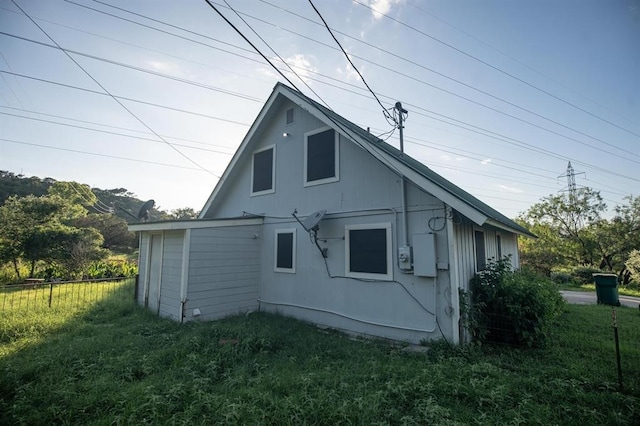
[(572, 189)]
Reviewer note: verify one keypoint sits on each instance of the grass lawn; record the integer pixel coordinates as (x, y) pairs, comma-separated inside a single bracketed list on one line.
[(631, 290), (117, 364)]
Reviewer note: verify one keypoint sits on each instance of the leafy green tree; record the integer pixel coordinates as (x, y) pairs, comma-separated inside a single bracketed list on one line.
[(567, 224), (35, 229), (116, 236), (183, 213)]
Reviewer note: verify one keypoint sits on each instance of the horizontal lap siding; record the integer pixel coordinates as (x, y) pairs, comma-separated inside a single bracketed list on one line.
[(171, 275), (224, 271)]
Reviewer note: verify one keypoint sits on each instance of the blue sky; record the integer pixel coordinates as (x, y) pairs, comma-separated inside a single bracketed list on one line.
[(501, 94)]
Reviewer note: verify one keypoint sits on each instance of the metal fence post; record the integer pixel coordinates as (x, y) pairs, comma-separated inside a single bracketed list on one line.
[(50, 293)]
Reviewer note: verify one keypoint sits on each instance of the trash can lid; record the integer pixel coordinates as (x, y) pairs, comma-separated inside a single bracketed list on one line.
[(604, 275)]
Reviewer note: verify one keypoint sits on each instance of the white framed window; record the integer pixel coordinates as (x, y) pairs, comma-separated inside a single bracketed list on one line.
[(263, 171), (321, 156), (285, 251), (368, 251), (289, 118)]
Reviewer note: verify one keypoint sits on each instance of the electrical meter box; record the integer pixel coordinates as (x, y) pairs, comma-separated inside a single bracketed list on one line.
[(424, 255), (404, 258)]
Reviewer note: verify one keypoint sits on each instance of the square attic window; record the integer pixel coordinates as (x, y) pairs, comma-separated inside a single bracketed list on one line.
[(321, 157), (289, 116)]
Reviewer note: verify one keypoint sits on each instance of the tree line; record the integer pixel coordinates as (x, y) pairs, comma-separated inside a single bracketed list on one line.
[(578, 236), (54, 229)]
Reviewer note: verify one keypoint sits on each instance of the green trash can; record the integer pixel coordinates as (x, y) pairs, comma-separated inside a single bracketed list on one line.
[(607, 289)]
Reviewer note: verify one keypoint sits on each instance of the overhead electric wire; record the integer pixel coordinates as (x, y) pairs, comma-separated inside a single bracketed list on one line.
[(96, 92), (110, 126), (276, 53), (110, 133), (137, 160), (346, 55), (424, 83), (468, 86), (505, 54), (475, 129), (109, 93), (496, 68), (251, 44)]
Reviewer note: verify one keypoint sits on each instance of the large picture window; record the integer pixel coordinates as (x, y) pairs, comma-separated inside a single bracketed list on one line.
[(263, 171), (369, 251), (285, 250), (321, 152)]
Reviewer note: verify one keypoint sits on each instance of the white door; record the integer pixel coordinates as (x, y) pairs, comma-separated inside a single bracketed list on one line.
[(155, 272)]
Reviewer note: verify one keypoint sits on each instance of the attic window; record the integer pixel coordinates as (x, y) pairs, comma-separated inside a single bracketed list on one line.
[(321, 157), (368, 251), (285, 250), (289, 116), (263, 171)]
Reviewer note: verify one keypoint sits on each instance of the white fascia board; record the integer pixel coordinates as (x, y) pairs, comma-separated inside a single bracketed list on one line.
[(504, 227), (194, 224)]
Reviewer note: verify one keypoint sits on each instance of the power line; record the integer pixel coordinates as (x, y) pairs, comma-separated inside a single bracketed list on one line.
[(109, 133), (251, 44), (346, 55), (107, 125), (99, 154), (70, 86), (475, 129), (419, 81), (495, 68), (276, 53), (109, 93)]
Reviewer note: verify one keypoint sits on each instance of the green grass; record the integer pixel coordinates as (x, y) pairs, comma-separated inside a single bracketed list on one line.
[(628, 290), (118, 364)]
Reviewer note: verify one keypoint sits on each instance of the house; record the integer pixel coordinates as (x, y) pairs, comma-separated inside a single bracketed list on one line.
[(317, 219)]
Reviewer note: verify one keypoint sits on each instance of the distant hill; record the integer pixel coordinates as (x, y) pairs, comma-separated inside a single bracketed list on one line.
[(123, 203)]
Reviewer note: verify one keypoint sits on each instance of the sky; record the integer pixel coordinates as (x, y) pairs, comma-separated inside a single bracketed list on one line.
[(155, 96)]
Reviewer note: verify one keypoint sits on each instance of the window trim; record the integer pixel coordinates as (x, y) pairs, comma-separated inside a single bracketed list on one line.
[(336, 157), (291, 270), (286, 116), (389, 255), (273, 172)]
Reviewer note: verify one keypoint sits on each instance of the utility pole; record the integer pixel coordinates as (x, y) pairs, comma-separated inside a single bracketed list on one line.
[(401, 112), (573, 192)]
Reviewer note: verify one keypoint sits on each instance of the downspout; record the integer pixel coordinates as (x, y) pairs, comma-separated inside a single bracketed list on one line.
[(454, 279), (184, 277)]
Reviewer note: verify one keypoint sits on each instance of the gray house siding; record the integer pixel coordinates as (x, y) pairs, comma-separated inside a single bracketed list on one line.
[(171, 275), (142, 266), (224, 271)]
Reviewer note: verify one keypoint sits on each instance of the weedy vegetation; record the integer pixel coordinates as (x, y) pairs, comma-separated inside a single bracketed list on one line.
[(116, 363)]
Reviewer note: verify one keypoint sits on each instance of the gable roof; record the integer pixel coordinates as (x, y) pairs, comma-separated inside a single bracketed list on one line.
[(401, 163)]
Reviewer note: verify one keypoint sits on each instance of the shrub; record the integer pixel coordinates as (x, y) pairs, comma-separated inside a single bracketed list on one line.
[(513, 307), (584, 275)]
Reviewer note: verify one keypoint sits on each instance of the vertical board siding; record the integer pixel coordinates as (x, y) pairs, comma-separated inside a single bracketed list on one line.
[(171, 275), (224, 271), (142, 266)]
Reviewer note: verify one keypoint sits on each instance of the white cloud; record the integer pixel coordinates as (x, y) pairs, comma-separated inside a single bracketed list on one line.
[(486, 161), (348, 73), (302, 65), (511, 189), (381, 7)]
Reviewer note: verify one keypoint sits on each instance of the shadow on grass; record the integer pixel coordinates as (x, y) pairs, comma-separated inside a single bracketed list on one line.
[(116, 363)]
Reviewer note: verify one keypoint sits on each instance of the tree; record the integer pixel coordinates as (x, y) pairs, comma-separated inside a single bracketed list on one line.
[(183, 213), (36, 229), (116, 236), (570, 220)]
